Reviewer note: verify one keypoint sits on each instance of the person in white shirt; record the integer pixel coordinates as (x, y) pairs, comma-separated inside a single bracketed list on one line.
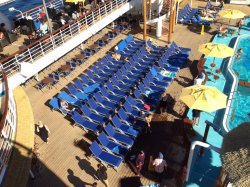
[(44, 28), (75, 15), (62, 20)]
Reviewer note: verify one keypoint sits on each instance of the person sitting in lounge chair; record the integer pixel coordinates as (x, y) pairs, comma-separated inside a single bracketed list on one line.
[(206, 14), (65, 106)]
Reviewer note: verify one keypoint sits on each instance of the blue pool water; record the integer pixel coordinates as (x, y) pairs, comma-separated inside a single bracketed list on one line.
[(241, 103), (22, 5)]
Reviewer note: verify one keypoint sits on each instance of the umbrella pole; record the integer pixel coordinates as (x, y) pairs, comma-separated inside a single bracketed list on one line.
[(212, 66), (204, 139)]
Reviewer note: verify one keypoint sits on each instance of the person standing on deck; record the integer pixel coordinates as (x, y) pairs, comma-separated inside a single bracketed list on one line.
[(43, 131), (160, 165)]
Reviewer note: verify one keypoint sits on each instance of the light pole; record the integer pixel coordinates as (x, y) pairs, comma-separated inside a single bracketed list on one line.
[(144, 19), (47, 15), (11, 9)]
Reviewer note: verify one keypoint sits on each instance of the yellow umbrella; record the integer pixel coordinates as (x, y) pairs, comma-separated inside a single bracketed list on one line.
[(205, 98), (231, 14), (216, 50)]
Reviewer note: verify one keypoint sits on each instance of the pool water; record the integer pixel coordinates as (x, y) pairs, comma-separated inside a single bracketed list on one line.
[(240, 107)]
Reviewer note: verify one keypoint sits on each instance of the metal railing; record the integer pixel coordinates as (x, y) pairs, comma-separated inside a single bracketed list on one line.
[(56, 4), (38, 49)]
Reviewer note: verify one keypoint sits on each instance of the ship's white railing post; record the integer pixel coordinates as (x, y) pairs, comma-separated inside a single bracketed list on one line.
[(41, 47), (30, 55), (61, 35)]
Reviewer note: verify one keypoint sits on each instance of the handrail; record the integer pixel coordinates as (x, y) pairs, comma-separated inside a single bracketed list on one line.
[(37, 7), (56, 31), (6, 101)]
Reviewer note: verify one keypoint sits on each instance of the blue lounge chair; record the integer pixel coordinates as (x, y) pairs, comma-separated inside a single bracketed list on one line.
[(78, 94), (134, 111), (86, 81), (120, 85), (94, 115), (125, 79), (123, 128), (130, 75), (135, 102), (111, 145), (87, 124), (116, 90), (100, 109), (131, 70), (66, 97), (96, 78), (105, 69), (104, 156), (100, 73), (119, 137), (110, 96), (153, 86), (104, 101), (157, 82), (110, 64), (130, 120)]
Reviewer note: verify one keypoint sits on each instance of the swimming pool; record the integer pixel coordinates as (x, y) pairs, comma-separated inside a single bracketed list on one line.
[(241, 68)]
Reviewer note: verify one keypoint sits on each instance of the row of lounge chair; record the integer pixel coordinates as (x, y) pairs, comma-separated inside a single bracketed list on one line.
[(116, 82), (189, 15)]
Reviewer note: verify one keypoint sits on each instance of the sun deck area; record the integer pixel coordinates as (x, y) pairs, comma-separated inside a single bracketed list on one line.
[(66, 160)]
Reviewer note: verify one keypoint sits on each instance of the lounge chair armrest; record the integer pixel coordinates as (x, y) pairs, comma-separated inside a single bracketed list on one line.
[(98, 76), (111, 92), (101, 71), (135, 107), (139, 101), (101, 104), (116, 87), (125, 122), (88, 118), (106, 66), (153, 84), (94, 111), (121, 81), (125, 76), (119, 130)]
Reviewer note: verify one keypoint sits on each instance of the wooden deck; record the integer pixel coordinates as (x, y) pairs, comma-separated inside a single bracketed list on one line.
[(64, 164)]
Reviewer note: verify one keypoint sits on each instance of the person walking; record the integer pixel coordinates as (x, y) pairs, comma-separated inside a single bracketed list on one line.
[(139, 161), (160, 165), (102, 174), (43, 131)]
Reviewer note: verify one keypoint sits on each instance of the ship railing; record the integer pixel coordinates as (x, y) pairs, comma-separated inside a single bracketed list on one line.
[(40, 48)]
